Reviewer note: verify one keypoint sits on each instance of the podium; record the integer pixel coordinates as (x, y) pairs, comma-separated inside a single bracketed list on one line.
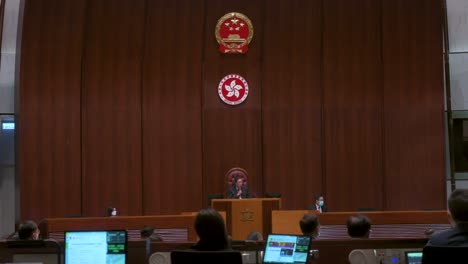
[(247, 215)]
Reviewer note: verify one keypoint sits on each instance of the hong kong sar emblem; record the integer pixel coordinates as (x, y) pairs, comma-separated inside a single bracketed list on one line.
[(233, 89), (234, 32)]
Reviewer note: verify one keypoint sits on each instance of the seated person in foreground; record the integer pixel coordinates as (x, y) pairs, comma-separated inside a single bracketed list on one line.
[(28, 231), (238, 190), (147, 232), (458, 216), (359, 226), (211, 231), (310, 226)]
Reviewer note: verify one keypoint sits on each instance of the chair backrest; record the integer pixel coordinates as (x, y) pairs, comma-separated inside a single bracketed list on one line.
[(45, 251), (206, 257), (445, 254), (233, 174), (362, 256), (160, 258)]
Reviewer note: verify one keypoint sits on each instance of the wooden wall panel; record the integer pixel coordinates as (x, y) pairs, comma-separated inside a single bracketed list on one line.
[(111, 146), (118, 105), (291, 101), (172, 71), (413, 92), (232, 134), (49, 163), (352, 105)]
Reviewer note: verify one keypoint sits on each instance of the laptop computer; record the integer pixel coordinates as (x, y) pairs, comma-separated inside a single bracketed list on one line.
[(97, 247), (413, 257), (284, 248)]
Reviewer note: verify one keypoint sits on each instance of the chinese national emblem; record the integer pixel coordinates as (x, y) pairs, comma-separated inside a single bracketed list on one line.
[(233, 89), (234, 32)]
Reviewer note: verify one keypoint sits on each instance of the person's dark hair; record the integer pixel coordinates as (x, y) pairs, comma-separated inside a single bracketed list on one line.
[(26, 230), (211, 230), (309, 223), (458, 205), (146, 231), (236, 178), (317, 196), (255, 236), (358, 225)]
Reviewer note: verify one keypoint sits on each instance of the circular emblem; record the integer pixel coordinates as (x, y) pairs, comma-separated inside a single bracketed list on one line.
[(233, 89), (234, 31)]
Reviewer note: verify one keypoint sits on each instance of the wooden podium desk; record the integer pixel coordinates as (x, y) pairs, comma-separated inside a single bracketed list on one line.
[(246, 215)]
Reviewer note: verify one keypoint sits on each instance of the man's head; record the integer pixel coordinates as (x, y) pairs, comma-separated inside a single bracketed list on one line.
[(358, 226), (211, 229), (310, 225), (458, 206), (28, 231), (146, 231), (239, 182), (319, 200)]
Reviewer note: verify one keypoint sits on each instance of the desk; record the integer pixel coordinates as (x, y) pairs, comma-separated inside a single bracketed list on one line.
[(169, 227), (385, 224), (247, 215)]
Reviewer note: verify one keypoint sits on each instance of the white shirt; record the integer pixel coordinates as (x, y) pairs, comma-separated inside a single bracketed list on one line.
[(319, 208)]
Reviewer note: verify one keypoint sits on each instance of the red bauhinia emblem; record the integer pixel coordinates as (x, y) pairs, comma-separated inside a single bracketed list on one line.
[(234, 32), (233, 89)]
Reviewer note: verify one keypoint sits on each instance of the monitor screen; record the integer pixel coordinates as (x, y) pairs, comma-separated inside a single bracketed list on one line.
[(413, 257), (281, 248), (96, 247)]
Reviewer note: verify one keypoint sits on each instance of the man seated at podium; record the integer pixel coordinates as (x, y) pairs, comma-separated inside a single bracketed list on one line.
[(238, 190), (319, 204)]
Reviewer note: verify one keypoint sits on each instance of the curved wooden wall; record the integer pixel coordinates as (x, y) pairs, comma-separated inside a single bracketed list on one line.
[(118, 105)]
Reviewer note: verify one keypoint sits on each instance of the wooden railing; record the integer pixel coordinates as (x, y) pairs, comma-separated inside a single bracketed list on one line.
[(385, 224), (169, 227)]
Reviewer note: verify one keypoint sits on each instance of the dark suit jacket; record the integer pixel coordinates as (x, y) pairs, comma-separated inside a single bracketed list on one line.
[(314, 207), (457, 236), (233, 193)]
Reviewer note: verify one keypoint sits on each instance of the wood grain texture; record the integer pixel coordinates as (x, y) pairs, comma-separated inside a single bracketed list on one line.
[(118, 105), (291, 101), (413, 103), (172, 126), (352, 105), (111, 147), (49, 131)]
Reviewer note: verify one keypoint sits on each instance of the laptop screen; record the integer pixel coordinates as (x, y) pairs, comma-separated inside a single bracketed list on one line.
[(281, 248), (97, 247), (413, 257)]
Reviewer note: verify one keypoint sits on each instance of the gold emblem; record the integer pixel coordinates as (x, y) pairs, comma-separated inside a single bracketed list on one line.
[(234, 31), (247, 215)]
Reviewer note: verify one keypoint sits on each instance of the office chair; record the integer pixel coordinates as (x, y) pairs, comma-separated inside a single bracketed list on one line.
[(234, 173), (45, 251), (206, 257), (362, 256), (214, 196), (272, 195), (160, 258)]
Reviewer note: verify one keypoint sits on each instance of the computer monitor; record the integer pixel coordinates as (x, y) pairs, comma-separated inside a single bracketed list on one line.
[(413, 257), (97, 247), (283, 248)]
